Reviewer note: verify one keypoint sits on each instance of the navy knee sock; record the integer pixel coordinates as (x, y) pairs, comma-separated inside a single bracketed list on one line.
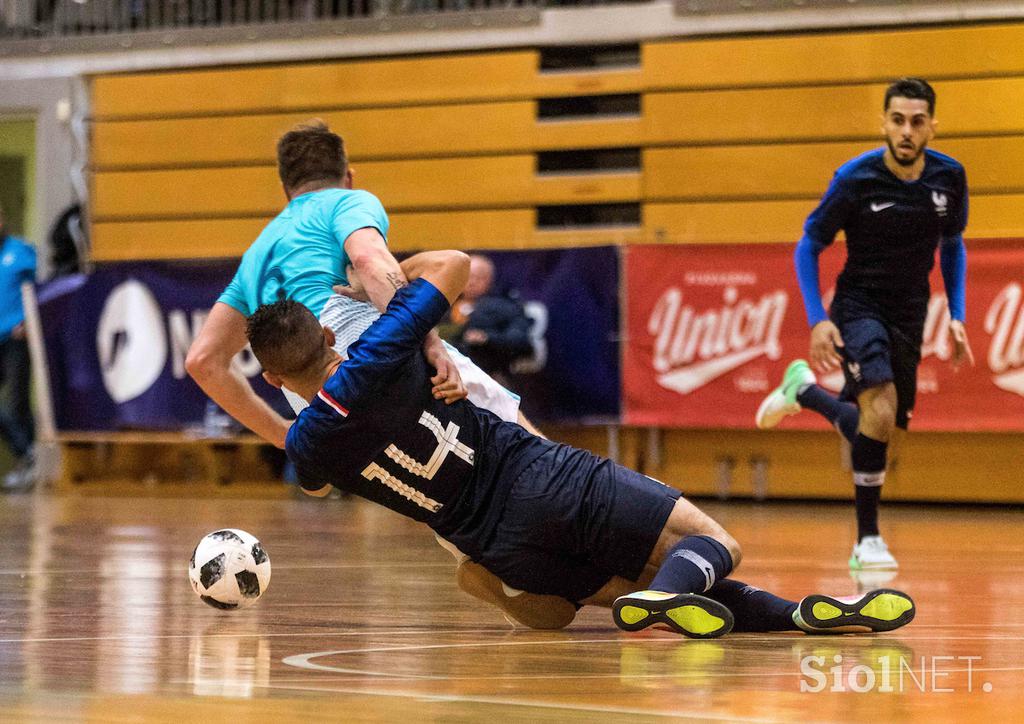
[(692, 566), (868, 458), (753, 609), (843, 415)]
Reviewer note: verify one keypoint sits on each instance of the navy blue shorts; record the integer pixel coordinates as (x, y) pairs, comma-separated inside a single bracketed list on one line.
[(573, 521), (875, 353)]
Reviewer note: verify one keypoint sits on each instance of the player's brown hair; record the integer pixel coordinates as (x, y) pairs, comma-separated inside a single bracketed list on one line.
[(311, 152), (913, 88), (285, 337)]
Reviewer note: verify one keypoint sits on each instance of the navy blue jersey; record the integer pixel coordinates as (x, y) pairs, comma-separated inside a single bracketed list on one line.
[(892, 228), (376, 430)]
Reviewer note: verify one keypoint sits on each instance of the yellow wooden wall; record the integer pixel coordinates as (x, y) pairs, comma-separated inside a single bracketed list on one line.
[(738, 135), (738, 138)]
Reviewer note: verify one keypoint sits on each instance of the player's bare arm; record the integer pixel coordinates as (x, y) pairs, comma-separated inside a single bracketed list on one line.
[(209, 363), (379, 272), (379, 276), (962, 351)]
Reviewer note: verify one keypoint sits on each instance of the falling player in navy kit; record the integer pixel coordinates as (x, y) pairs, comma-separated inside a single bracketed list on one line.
[(895, 206), (545, 518)]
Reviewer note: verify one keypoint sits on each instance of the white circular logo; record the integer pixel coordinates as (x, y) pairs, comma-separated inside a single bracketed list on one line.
[(131, 341)]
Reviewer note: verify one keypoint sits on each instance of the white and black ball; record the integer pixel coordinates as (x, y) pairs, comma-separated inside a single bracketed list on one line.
[(229, 569)]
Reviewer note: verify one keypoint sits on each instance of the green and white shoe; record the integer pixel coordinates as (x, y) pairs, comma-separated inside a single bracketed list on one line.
[(882, 610), (687, 613), (781, 402), (872, 554)]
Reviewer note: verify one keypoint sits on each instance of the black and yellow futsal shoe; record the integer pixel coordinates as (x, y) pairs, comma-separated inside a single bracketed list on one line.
[(882, 610), (685, 613)]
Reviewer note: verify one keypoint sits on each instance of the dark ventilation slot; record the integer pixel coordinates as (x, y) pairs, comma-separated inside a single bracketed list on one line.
[(575, 216), (593, 161), (589, 57), (625, 104)]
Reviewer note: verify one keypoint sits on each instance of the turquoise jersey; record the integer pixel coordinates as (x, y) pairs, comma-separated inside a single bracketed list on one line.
[(17, 265), (301, 254)]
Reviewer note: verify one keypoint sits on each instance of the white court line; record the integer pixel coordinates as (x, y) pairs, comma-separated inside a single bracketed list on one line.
[(304, 661), (779, 636), (143, 637), (498, 701), (277, 567)]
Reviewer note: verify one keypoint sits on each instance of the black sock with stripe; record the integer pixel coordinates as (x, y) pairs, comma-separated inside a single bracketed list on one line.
[(844, 416), (692, 566)]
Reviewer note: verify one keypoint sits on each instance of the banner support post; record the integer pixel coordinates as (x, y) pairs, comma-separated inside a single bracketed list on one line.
[(47, 450)]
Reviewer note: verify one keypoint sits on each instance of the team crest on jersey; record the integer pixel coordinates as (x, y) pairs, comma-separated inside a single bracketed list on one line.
[(941, 202)]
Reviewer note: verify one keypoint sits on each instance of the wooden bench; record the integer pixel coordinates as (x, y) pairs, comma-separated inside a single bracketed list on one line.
[(166, 462)]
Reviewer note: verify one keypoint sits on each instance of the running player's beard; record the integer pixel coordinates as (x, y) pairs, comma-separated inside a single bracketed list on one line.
[(903, 161)]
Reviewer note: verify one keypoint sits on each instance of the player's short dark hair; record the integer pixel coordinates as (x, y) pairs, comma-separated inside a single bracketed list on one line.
[(915, 88), (310, 152), (285, 337)]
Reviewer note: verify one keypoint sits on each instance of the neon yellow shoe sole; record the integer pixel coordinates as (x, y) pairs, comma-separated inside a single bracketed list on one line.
[(882, 610), (687, 613)]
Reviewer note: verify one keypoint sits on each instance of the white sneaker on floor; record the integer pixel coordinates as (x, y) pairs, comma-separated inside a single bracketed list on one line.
[(781, 402), (872, 554)]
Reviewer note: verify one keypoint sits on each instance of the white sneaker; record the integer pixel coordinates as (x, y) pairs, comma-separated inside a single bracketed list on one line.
[(781, 402), (872, 554)]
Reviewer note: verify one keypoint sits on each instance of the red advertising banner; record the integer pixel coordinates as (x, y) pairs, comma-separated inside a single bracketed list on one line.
[(711, 328)]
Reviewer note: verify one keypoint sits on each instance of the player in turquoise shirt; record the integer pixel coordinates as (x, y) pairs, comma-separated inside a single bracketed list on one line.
[(301, 254), (304, 254)]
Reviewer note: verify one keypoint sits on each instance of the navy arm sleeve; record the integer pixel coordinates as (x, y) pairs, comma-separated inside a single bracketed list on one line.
[(388, 343), (820, 230), (953, 261), (953, 255), (807, 274)]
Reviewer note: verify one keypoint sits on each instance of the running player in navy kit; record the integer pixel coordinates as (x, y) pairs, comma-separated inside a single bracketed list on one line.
[(895, 206), (546, 518)]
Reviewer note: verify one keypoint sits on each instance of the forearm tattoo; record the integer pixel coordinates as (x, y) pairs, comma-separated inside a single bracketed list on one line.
[(396, 281)]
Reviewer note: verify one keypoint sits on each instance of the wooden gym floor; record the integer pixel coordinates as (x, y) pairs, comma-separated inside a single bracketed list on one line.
[(362, 622)]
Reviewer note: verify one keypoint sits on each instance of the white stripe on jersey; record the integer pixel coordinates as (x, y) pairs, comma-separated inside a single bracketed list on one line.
[(333, 403)]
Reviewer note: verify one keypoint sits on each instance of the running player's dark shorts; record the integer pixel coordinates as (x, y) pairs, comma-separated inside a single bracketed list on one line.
[(876, 352), (573, 521)]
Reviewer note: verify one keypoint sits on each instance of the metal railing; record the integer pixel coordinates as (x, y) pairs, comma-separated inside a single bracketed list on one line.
[(27, 19)]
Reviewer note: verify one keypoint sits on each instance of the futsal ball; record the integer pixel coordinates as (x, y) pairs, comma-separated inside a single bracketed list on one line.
[(229, 569)]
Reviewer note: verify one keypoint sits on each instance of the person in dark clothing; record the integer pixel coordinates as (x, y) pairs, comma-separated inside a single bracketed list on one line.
[(548, 519), (897, 205), (17, 265), (494, 331)]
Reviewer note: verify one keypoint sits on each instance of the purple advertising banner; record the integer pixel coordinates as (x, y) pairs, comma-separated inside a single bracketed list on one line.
[(116, 339), (116, 342)]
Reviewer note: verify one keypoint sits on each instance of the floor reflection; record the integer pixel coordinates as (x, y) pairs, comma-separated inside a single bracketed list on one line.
[(229, 659)]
